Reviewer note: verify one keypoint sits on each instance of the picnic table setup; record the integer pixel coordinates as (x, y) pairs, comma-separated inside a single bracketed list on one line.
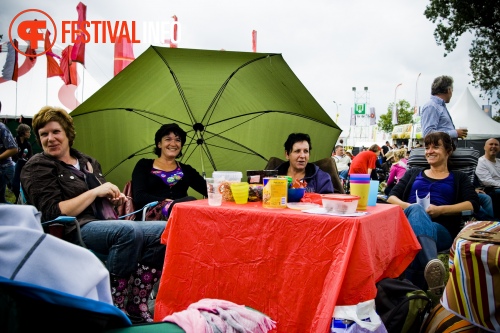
[(294, 265)]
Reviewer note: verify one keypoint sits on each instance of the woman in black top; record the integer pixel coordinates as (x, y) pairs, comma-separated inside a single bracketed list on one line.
[(164, 179), (24, 152), (450, 193)]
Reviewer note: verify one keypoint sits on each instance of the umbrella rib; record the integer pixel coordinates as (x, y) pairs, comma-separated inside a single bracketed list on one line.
[(218, 95), (137, 112), (127, 158), (178, 85)]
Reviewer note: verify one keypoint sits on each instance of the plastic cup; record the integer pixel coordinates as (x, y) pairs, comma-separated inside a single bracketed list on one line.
[(362, 190), (359, 176), (214, 195), (240, 192), (372, 196)]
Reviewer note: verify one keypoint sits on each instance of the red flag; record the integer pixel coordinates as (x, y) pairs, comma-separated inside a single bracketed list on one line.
[(29, 62), (254, 41), (173, 41), (124, 54), (53, 68), (10, 68), (68, 67), (78, 51)]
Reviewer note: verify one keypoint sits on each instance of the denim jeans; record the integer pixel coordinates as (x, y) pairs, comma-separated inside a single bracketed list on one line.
[(422, 225), (16, 181), (486, 209), (6, 176), (125, 243), (428, 233), (344, 174)]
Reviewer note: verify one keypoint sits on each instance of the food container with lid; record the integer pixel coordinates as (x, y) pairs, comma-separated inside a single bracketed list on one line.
[(226, 178), (340, 203)]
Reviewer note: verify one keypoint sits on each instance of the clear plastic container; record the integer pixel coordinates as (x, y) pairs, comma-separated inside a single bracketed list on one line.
[(226, 178), (340, 203)]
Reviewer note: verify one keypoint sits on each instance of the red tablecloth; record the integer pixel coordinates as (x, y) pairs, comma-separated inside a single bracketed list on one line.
[(293, 266)]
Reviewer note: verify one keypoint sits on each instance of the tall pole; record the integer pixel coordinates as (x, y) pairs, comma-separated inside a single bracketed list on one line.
[(394, 108), (416, 95), (415, 110), (337, 116)]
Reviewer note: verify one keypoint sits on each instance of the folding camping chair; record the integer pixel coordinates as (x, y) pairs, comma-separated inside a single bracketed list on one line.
[(28, 307)]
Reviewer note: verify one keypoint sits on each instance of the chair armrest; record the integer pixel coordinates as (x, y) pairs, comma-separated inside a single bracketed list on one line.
[(56, 227)]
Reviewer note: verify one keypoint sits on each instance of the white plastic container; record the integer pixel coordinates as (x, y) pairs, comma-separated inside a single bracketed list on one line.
[(340, 203), (226, 178)]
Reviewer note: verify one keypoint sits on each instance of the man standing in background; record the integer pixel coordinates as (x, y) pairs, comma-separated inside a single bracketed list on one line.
[(435, 116), (385, 150), (8, 148)]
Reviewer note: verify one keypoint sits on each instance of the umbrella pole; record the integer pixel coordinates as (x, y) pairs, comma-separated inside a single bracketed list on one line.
[(202, 165)]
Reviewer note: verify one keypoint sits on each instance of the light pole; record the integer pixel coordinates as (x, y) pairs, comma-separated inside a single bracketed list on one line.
[(337, 116), (394, 107)]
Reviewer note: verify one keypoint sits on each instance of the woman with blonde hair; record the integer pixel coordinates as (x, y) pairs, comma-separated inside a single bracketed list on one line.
[(398, 169)]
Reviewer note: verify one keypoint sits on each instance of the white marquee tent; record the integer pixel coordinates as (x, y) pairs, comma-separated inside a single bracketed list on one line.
[(467, 112)]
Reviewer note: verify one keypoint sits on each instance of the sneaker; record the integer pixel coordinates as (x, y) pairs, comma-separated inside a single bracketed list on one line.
[(434, 274)]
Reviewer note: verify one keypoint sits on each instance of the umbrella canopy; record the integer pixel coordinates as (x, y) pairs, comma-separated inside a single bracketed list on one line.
[(236, 107)]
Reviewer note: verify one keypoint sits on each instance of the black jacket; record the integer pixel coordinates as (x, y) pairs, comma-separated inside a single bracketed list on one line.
[(148, 187)]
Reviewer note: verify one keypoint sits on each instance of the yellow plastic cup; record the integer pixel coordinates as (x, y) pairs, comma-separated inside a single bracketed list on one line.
[(362, 190), (240, 192)]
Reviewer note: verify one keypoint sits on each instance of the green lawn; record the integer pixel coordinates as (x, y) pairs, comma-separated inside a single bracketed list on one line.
[(9, 196)]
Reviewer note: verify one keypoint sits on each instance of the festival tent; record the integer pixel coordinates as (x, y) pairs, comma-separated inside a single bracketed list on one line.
[(33, 89), (467, 112)]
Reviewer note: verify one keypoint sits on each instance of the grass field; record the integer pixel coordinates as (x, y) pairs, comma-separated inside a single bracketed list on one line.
[(9, 196)]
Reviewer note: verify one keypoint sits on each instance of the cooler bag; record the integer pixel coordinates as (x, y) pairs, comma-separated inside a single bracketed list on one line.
[(473, 289)]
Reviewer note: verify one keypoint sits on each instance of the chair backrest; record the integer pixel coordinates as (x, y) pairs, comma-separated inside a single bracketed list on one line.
[(127, 211), (40, 308), (462, 159), (326, 164)]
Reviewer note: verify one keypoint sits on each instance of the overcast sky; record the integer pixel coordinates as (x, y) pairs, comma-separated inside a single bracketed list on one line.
[(331, 45)]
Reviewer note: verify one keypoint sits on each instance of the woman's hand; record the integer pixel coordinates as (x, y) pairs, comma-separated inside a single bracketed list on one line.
[(434, 211), (108, 190), (120, 200)]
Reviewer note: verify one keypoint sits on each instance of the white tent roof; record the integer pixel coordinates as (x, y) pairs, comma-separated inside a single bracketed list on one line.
[(466, 112)]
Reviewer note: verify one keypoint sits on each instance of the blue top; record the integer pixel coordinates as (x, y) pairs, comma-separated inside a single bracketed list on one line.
[(7, 141), (441, 189), (436, 118)]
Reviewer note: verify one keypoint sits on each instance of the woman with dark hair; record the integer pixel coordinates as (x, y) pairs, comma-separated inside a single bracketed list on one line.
[(297, 150), (64, 181), (164, 179), (436, 226)]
